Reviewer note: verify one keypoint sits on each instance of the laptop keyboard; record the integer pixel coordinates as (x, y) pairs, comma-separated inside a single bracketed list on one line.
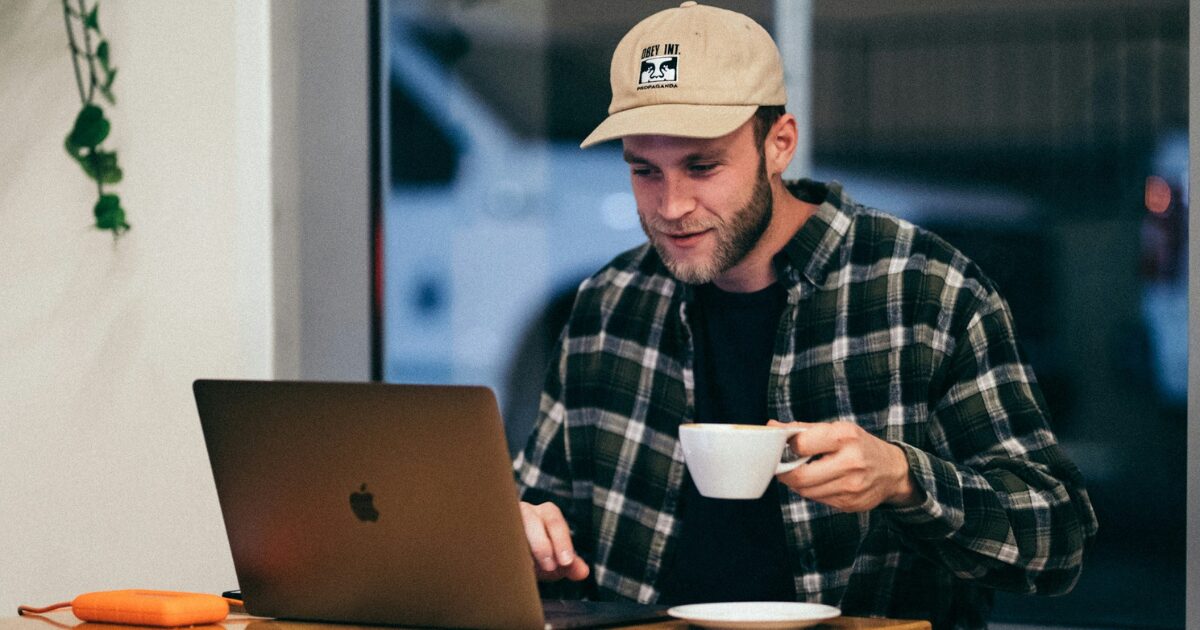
[(574, 613)]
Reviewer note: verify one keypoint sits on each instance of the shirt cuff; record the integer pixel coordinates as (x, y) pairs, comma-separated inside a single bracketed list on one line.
[(940, 515)]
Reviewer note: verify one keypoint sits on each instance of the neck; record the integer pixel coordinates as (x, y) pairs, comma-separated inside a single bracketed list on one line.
[(756, 271)]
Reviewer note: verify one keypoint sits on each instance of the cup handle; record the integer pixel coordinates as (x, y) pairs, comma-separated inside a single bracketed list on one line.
[(784, 467)]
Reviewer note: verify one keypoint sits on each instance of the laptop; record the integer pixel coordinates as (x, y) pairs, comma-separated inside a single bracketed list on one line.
[(374, 503)]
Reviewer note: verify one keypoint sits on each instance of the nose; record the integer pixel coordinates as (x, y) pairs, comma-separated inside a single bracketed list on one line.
[(677, 198)]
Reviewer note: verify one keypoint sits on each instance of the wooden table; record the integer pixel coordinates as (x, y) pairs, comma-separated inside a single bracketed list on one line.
[(64, 620)]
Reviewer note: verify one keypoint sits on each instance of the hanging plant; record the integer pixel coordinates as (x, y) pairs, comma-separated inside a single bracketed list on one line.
[(94, 75)]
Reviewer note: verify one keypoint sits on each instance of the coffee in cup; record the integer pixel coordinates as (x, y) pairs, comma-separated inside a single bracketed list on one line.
[(735, 461)]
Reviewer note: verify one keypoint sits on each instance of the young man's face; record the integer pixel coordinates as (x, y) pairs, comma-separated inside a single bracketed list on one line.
[(703, 203)]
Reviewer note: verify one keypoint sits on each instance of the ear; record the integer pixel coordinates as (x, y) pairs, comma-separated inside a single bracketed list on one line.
[(780, 145)]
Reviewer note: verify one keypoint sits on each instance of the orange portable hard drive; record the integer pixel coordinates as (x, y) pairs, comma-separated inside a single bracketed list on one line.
[(150, 608)]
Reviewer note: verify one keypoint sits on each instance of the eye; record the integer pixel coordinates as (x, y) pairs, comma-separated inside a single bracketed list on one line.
[(702, 167), (643, 171)]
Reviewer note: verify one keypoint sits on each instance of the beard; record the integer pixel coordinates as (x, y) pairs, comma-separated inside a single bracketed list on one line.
[(734, 238)]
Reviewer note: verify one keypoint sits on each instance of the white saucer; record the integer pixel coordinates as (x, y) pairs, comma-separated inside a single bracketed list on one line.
[(757, 615)]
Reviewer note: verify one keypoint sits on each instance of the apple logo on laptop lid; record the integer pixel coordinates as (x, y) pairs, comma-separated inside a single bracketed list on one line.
[(363, 505)]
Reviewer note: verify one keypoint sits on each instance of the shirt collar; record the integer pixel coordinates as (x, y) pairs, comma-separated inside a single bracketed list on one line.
[(811, 252)]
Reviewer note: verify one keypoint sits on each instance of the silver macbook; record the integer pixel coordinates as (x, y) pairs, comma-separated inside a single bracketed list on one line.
[(377, 504)]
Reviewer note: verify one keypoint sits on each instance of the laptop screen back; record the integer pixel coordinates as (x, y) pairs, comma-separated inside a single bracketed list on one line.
[(369, 503)]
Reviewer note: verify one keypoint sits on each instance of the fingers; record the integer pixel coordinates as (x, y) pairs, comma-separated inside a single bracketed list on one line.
[(853, 470), (577, 571), (559, 533), (832, 482), (833, 468), (540, 547), (792, 425), (822, 438), (550, 544)]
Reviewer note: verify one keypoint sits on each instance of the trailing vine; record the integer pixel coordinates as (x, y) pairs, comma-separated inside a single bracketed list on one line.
[(94, 75)]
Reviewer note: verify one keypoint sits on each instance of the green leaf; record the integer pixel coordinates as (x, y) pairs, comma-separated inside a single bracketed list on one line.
[(102, 167), (73, 149), (91, 128), (105, 86), (109, 214), (83, 164), (92, 20), (106, 92), (82, 160), (102, 53), (99, 165)]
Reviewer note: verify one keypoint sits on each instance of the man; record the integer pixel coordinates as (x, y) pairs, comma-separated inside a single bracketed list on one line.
[(937, 477)]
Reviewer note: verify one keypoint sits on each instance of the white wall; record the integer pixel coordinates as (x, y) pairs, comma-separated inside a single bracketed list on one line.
[(104, 482)]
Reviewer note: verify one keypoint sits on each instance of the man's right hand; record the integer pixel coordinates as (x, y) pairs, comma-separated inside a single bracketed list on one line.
[(550, 544)]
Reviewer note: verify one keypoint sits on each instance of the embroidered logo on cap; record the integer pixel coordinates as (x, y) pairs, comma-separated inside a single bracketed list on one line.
[(659, 67)]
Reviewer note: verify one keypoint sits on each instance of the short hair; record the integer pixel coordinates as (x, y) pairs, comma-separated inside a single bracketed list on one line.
[(764, 117)]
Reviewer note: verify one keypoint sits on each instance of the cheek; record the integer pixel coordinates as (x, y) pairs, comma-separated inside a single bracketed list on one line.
[(645, 195), (732, 197), (646, 217), (717, 201)]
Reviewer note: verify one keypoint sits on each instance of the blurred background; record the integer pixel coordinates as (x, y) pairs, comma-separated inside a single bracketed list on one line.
[(1046, 139)]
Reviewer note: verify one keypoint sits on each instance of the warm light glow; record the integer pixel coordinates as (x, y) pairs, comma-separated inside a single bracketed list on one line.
[(1158, 194)]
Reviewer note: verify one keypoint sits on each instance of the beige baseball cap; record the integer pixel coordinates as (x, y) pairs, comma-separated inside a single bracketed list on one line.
[(694, 71)]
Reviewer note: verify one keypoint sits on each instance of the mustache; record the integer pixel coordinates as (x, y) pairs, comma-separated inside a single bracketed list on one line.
[(677, 227)]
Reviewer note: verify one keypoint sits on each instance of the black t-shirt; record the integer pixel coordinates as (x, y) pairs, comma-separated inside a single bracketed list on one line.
[(731, 550)]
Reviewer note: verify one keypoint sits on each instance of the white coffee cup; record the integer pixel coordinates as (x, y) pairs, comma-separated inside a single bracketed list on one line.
[(735, 461)]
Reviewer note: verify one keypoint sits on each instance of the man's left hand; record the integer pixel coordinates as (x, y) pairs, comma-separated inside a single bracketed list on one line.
[(856, 471)]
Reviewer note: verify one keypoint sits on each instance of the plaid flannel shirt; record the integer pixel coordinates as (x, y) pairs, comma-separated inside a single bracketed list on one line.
[(886, 326)]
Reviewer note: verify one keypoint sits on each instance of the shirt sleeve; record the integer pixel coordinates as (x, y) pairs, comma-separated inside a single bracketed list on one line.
[(1003, 504), (542, 469), (544, 473)]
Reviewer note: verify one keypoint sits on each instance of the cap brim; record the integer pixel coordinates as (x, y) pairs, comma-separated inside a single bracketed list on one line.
[(671, 119)]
